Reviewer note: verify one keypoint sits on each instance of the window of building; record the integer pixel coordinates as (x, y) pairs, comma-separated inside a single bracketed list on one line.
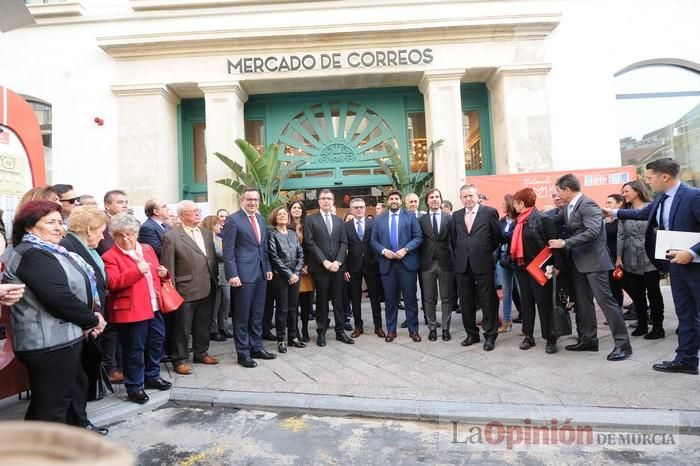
[(476, 130), (473, 156), (417, 142), (43, 113), (658, 114), (255, 134)]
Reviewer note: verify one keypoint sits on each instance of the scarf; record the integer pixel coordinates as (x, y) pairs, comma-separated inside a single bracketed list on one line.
[(137, 255), (73, 258), (517, 249)]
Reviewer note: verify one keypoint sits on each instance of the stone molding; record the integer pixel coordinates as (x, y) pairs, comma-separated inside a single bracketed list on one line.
[(539, 69), (224, 88), (454, 75), (134, 90), (56, 10)]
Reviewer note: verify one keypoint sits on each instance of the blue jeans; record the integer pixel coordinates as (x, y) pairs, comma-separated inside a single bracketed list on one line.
[(507, 279)]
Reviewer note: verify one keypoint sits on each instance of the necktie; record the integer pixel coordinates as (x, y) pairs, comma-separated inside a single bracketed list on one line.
[(197, 237), (254, 224), (569, 209), (469, 220), (662, 223), (360, 229), (329, 225), (435, 225), (394, 232)]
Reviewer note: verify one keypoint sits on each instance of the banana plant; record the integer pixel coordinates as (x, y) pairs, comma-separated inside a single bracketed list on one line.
[(401, 179), (263, 171)]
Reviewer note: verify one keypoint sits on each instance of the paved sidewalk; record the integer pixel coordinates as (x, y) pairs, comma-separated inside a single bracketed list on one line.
[(373, 377)]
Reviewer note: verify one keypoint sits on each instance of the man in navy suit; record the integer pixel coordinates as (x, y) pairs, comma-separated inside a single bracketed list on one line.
[(676, 207), (247, 268), (396, 237), (154, 228)]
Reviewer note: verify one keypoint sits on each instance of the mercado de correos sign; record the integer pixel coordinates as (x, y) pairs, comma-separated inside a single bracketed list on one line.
[(334, 60)]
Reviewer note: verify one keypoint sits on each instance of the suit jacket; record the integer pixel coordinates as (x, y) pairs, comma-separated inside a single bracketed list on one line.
[(476, 248), (410, 237), (320, 245), (361, 257), (74, 244), (152, 233), (684, 216), (130, 299), (244, 257), (586, 240), (194, 272), (436, 248)]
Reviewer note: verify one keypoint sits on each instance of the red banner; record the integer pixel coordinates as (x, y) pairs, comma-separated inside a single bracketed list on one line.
[(597, 184)]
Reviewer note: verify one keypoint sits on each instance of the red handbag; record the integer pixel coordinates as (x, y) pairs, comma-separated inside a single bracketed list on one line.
[(170, 299), (618, 273)]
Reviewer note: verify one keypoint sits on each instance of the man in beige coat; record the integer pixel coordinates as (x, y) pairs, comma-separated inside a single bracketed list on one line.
[(188, 254)]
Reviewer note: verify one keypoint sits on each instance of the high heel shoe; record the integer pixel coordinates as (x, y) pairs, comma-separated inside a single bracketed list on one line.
[(282, 347), (296, 343), (506, 326), (305, 335)]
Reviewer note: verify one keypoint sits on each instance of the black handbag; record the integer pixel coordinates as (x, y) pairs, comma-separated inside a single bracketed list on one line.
[(99, 385), (561, 319)]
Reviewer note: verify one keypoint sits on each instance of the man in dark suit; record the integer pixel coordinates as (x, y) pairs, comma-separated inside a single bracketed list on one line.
[(475, 235), (676, 207), (115, 202), (588, 255), (248, 270), (361, 263), (154, 228), (396, 237), (327, 244), (188, 254), (436, 263)]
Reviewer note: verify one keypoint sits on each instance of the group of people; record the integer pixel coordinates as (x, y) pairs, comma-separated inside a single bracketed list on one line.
[(78, 278)]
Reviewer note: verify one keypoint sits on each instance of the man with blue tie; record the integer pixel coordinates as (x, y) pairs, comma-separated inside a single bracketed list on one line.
[(676, 207), (248, 270), (396, 237)]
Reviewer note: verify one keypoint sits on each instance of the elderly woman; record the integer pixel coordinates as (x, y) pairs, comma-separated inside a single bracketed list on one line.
[(286, 259), (133, 279), (222, 301), (60, 306), (86, 226)]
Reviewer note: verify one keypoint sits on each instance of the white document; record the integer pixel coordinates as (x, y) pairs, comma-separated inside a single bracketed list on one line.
[(683, 240)]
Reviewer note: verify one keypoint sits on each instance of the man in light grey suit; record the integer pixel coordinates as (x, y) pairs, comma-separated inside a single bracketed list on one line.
[(586, 245)]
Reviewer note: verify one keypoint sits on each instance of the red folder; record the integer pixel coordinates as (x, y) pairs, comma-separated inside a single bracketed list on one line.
[(535, 267)]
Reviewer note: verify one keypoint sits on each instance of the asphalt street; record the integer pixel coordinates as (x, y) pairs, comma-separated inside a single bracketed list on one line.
[(224, 436)]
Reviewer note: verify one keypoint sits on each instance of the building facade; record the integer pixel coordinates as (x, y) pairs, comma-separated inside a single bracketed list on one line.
[(142, 93)]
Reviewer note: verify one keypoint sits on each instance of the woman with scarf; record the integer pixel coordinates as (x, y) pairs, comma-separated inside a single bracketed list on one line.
[(133, 279), (60, 306), (531, 234)]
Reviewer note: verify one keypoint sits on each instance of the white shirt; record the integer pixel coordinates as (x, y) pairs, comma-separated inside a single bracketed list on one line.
[(438, 217), (570, 206)]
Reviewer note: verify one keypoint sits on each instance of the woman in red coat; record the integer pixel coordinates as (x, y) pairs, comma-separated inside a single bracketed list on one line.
[(133, 280)]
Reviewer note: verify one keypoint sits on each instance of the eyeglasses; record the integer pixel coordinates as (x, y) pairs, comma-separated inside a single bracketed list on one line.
[(73, 200), (124, 235)]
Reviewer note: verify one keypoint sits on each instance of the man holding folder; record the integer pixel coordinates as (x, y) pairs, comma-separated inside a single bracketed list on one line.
[(676, 207)]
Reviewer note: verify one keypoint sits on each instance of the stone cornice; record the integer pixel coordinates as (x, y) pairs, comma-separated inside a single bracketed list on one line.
[(223, 87), (131, 90), (56, 10), (294, 38), (538, 69), (454, 75)]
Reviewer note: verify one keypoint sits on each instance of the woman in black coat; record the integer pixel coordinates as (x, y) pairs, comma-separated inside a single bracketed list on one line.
[(531, 234)]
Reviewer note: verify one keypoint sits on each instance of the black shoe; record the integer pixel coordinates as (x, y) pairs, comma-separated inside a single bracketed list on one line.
[(158, 384), (247, 362), (655, 334), (98, 430), (551, 347), (581, 346), (226, 333), (470, 340), (446, 335), (139, 397), (404, 324), (489, 343), (344, 338), (630, 307), (519, 320), (348, 326), (640, 330), (527, 343), (282, 347), (296, 343), (630, 315), (619, 354), (321, 340), (675, 366), (263, 354), (400, 306), (432, 335), (268, 335), (216, 337)]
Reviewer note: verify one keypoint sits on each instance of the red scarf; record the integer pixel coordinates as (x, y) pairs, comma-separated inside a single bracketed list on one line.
[(517, 250)]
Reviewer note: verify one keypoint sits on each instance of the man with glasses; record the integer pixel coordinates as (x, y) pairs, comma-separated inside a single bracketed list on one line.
[(361, 263), (327, 244), (189, 255), (68, 199), (248, 270)]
